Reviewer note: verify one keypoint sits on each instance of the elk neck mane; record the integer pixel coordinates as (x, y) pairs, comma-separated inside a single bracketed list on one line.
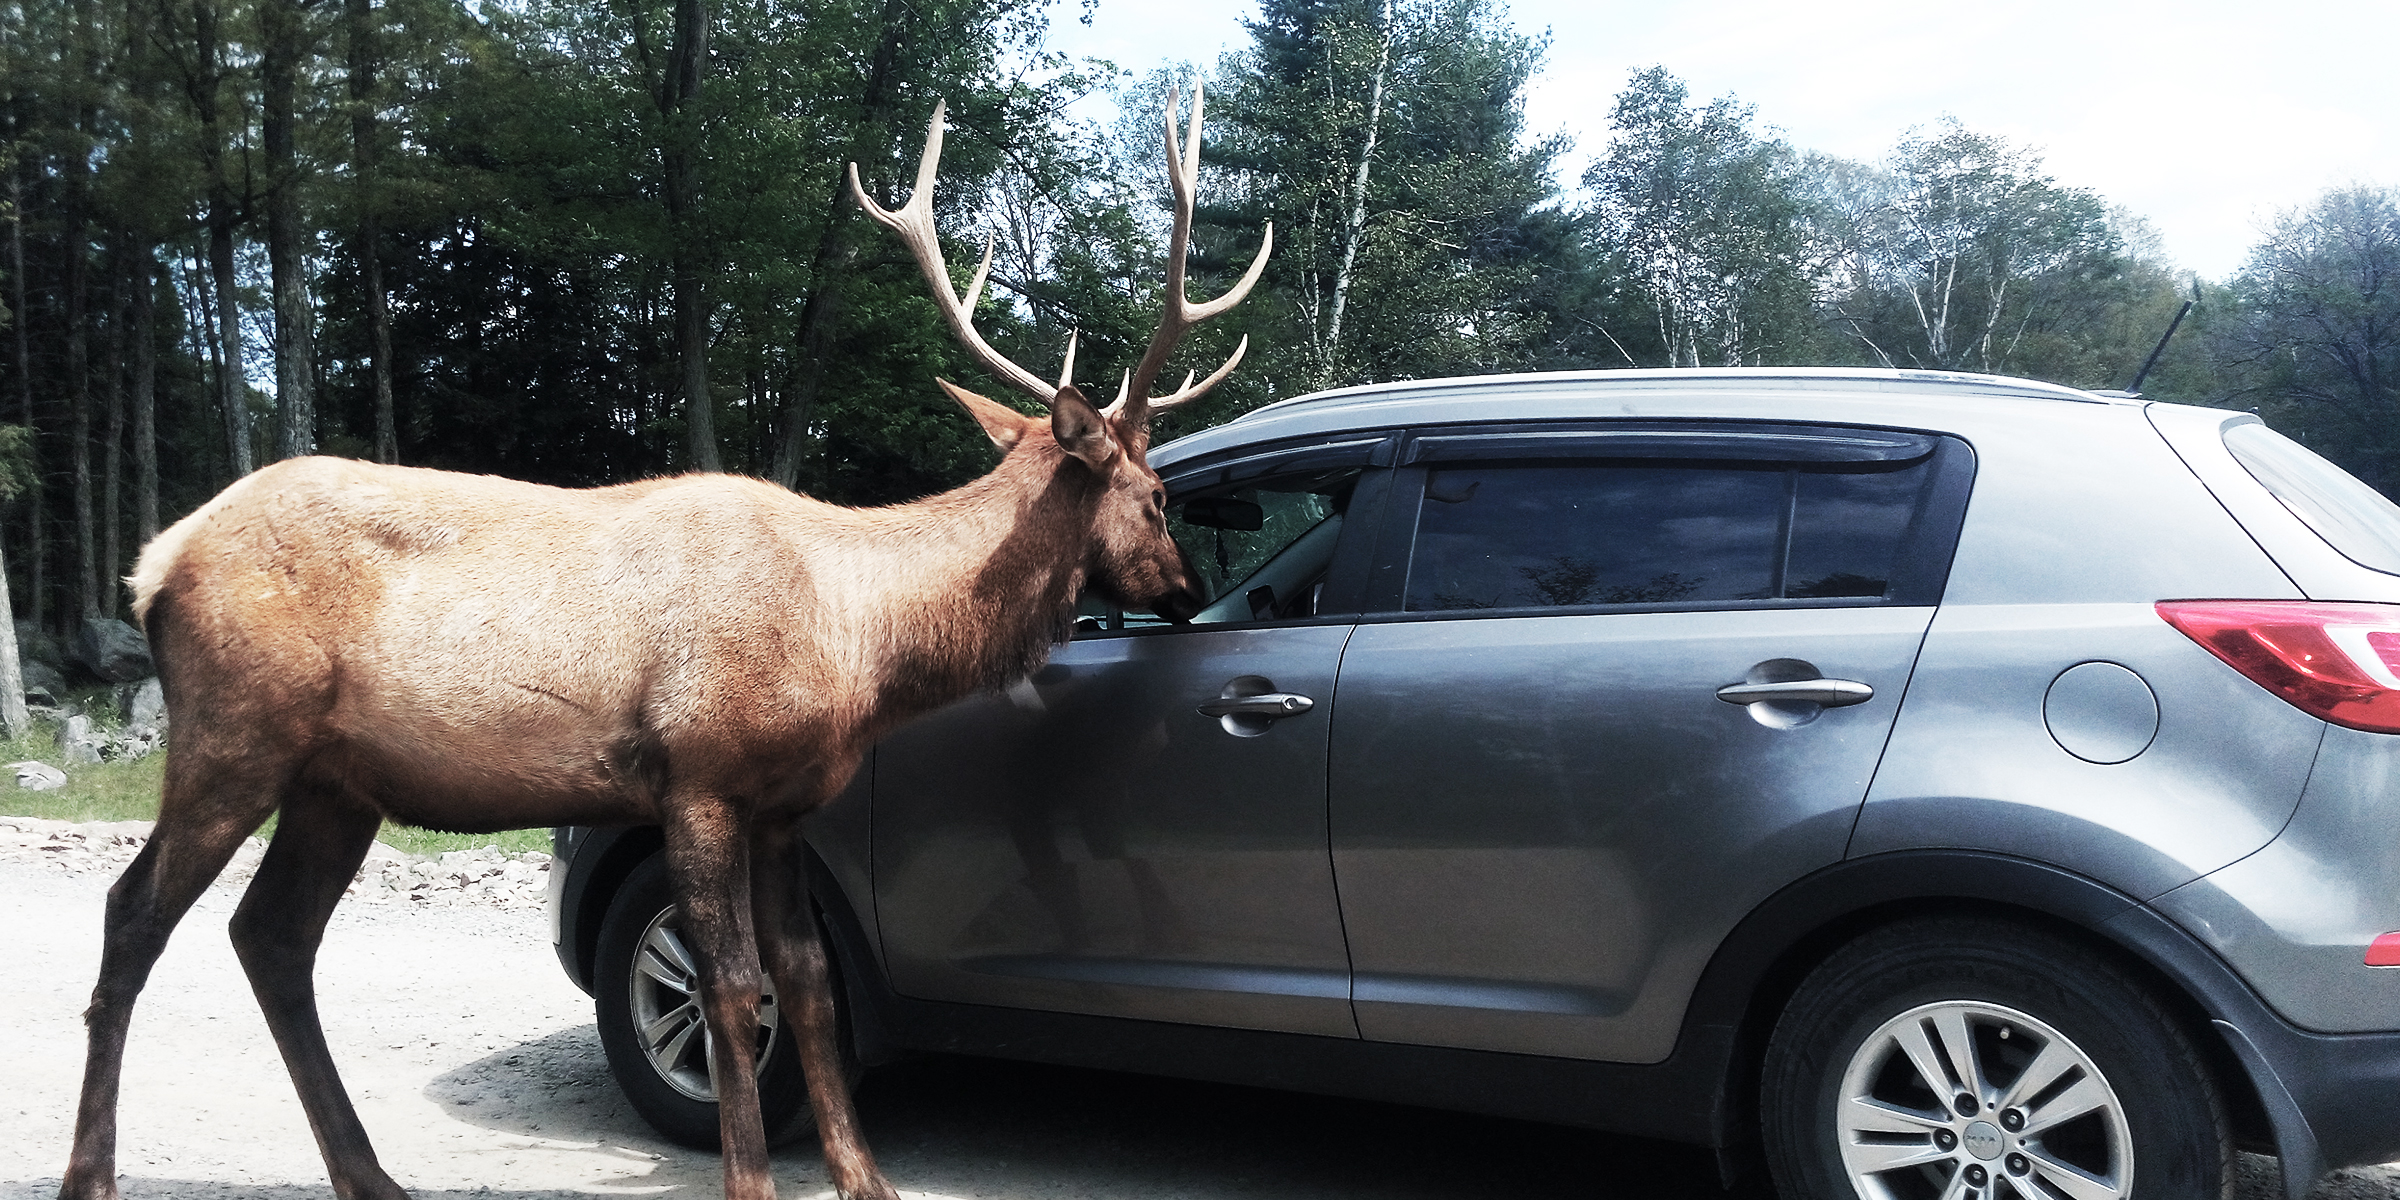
[(982, 578)]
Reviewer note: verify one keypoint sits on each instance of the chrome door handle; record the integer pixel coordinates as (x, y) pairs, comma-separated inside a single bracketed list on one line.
[(1272, 704), (1832, 693)]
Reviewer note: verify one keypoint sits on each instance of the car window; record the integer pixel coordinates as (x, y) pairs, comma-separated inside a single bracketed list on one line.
[(2352, 518), (1262, 549), (1535, 535)]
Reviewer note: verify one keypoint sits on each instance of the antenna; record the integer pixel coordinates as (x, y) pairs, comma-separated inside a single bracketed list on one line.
[(2135, 388)]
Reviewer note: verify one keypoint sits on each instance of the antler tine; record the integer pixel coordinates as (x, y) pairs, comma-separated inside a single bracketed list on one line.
[(914, 223), (1183, 179), (1066, 370), (1188, 393)]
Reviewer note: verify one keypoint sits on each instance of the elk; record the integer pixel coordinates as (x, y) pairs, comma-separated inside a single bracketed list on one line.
[(342, 643)]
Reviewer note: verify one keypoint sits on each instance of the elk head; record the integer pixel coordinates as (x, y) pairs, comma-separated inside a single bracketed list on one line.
[(1127, 554)]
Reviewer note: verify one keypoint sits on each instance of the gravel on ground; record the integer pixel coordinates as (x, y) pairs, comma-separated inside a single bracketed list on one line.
[(482, 876)]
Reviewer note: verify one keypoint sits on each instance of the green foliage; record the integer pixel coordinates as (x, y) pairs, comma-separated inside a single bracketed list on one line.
[(2314, 339), (1435, 266), (514, 173), (528, 254), (1704, 214), (1947, 256)]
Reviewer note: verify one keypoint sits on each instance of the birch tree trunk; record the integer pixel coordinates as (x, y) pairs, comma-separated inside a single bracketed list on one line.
[(1354, 223), (282, 22)]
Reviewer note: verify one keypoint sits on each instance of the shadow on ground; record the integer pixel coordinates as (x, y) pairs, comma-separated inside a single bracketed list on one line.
[(958, 1126), (556, 1086), (986, 1128)]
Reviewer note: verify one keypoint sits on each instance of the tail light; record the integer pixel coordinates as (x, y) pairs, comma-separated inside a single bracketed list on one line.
[(2384, 951), (2339, 662)]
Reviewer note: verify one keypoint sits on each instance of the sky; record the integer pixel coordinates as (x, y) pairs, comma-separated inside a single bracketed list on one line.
[(2206, 118)]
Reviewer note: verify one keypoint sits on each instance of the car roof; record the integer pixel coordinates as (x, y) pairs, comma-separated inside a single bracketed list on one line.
[(1935, 399)]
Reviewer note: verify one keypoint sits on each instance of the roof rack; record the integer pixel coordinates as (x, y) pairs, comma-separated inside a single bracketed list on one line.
[(1712, 378)]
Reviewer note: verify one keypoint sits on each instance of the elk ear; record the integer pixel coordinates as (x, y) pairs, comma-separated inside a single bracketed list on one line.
[(1004, 425), (1081, 430)]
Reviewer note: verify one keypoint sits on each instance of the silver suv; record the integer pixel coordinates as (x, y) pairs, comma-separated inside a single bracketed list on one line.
[(1927, 785)]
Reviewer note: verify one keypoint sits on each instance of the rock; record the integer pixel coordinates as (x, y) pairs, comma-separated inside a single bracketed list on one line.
[(146, 705), (44, 686), (135, 743), (79, 743), (34, 646), (38, 776), (114, 651)]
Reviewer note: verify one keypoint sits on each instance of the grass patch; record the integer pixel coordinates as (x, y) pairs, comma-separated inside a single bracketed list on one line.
[(128, 791), (430, 842)]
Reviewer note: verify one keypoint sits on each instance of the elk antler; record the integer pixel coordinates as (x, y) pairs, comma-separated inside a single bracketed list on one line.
[(1183, 175), (914, 224)]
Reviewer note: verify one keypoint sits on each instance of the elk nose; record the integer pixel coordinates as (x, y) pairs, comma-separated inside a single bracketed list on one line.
[(1178, 606)]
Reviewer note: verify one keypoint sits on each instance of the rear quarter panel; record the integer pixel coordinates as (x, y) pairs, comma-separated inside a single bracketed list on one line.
[(2082, 519)]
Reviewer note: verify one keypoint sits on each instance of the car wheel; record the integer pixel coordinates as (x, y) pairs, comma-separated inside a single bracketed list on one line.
[(1970, 1059), (648, 999)]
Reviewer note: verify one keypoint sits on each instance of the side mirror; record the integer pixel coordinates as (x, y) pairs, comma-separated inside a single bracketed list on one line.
[(1224, 512)]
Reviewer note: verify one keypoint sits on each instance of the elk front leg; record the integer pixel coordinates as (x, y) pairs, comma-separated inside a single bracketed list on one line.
[(794, 954), (202, 817), (708, 867), (319, 842)]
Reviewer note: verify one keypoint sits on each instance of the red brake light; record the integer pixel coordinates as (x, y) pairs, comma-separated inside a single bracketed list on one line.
[(2385, 951), (2339, 662)]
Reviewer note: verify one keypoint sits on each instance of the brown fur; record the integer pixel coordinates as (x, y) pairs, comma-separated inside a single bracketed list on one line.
[(342, 642)]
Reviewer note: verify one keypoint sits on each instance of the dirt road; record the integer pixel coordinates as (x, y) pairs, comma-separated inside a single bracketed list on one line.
[(476, 1069)]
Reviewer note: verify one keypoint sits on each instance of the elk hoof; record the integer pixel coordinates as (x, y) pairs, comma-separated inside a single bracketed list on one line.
[(874, 1187), (82, 1186)]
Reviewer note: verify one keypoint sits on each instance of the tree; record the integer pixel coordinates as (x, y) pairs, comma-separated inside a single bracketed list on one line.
[(1383, 140), (2315, 340), (287, 37), (1947, 254), (1700, 209), (365, 54)]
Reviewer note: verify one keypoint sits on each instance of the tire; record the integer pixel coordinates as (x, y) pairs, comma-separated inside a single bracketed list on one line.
[(668, 1083), (2083, 1085)]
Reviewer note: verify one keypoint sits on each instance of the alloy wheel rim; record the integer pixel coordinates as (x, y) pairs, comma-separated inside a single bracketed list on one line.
[(1964, 1100), (664, 988)]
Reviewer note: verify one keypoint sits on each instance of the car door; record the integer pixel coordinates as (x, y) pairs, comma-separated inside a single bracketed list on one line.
[(1624, 683), (1139, 830)]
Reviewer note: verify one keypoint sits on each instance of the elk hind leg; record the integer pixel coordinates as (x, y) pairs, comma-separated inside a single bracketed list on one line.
[(794, 954), (708, 868), (319, 842), (204, 813)]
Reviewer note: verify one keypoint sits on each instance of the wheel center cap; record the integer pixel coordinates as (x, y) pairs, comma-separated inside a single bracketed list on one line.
[(1982, 1140)]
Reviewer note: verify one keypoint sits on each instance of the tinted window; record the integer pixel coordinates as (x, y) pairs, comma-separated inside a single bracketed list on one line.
[(2352, 517), (1548, 535), (1848, 527)]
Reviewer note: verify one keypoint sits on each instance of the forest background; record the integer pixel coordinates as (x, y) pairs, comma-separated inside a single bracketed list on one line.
[(588, 241)]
